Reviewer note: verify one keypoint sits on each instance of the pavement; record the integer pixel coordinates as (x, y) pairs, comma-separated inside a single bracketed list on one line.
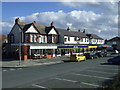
[(30, 62), (33, 62)]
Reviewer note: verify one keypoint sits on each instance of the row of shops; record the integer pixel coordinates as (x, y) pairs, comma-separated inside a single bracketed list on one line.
[(33, 52)]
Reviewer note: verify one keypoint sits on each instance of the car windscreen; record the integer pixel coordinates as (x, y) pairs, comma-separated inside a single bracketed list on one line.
[(86, 53), (73, 55), (91, 53), (80, 55)]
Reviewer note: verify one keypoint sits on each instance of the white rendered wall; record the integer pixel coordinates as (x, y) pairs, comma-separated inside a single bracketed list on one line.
[(31, 30)]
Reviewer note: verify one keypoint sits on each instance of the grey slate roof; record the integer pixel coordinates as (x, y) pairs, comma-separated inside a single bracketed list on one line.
[(42, 29), (115, 39), (94, 36), (71, 33)]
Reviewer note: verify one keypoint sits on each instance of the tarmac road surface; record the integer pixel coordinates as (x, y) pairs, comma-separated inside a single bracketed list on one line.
[(85, 74)]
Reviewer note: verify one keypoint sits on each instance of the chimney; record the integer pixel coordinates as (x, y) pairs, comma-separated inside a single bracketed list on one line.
[(34, 22), (84, 31), (52, 24), (79, 30), (17, 20), (68, 29)]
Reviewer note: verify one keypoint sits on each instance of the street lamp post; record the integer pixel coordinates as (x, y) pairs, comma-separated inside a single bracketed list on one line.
[(20, 46)]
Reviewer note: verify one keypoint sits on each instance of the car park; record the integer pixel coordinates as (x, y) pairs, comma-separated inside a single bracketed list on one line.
[(77, 57), (115, 60), (90, 55)]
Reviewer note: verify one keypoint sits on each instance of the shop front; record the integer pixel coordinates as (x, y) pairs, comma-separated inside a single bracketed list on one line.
[(68, 50), (38, 52)]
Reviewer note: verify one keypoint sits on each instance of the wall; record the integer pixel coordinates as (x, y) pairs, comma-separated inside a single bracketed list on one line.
[(31, 30), (72, 41), (16, 31), (96, 41)]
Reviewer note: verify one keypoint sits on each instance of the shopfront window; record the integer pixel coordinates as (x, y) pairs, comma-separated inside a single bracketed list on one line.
[(48, 51), (58, 51)]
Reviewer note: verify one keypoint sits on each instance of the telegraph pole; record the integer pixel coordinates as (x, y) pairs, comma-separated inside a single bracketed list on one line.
[(20, 46)]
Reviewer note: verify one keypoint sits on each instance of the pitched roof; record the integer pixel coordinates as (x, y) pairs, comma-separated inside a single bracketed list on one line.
[(94, 36), (70, 33), (22, 24), (115, 39), (42, 29), (38, 27)]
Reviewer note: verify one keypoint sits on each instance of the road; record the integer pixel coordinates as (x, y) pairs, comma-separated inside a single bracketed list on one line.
[(85, 74)]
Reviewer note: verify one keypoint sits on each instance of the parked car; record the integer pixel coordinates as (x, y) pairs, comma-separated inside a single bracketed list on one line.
[(115, 60), (77, 57), (115, 52), (90, 55), (101, 54)]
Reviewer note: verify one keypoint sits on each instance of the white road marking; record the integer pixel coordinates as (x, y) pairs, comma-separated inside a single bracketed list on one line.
[(90, 84), (66, 80), (12, 69), (91, 76), (100, 72), (19, 68), (4, 70), (40, 86)]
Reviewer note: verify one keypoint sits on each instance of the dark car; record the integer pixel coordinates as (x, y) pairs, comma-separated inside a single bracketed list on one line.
[(115, 60), (101, 54), (115, 52), (90, 55)]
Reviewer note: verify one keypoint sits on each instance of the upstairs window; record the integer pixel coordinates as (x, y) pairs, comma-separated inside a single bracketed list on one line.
[(75, 38), (81, 39), (26, 38), (68, 38), (65, 39), (11, 38), (42, 39), (32, 38)]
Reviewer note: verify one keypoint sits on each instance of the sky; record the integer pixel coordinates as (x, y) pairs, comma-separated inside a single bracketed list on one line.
[(100, 18)]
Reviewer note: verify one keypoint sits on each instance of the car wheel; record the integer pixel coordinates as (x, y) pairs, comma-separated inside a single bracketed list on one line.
[(91, 57), (96, 56), (78, 60), (84, 59)]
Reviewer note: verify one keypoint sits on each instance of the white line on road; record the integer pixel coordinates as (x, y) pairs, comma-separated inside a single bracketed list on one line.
[(100, 72), (91, 76), (66, 80), (12, 69), (90, 84), (4, 70), (40, 86), (19, 68)]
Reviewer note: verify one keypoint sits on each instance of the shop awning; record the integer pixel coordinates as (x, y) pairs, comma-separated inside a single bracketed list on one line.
[(92, 46), (43, 47), (71, 47)]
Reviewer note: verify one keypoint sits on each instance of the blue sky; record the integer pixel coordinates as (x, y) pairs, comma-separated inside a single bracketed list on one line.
[(100, 18), (27, 8)]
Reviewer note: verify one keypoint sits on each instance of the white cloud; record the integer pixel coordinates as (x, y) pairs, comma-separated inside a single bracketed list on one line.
[(103, 23)]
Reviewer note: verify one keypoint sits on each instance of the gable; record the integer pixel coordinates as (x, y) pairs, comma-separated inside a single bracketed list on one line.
[(31, 29), (52, 31), (15, 29)]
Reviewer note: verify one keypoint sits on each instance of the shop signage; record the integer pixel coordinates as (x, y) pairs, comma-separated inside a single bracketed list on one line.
[(65, 47)]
